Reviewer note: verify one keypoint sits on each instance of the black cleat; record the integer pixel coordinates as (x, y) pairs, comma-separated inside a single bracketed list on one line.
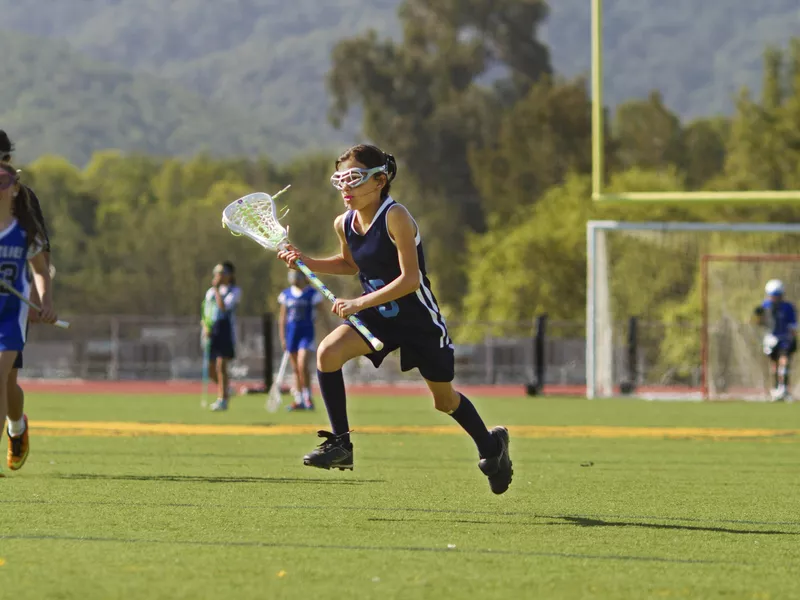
[(332, 453), (498, 468)]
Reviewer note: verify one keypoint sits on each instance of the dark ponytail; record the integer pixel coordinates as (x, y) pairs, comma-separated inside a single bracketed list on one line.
[(6, 146), (22, 210), (371, 157), (27, 218)]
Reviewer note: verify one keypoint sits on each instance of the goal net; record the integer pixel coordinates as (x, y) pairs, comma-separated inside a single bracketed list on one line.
[(693, 288)]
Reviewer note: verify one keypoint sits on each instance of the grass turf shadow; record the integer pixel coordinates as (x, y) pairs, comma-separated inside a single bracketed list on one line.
[(560, 521), (216, 479)]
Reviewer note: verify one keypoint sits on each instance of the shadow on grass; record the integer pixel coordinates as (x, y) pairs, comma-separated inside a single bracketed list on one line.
[(284, 545), (216, 479), (560, 521)]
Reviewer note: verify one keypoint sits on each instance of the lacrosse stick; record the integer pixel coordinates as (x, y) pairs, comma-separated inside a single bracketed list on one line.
[(274, 399), (206, 358), (254, 216), (11, 289)]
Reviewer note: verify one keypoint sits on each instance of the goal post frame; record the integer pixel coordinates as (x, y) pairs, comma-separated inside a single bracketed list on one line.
[(599, 338), (599, 193)]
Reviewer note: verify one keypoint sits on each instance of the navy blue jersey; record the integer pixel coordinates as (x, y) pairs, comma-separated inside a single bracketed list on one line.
[(781, 318), (378, 264)]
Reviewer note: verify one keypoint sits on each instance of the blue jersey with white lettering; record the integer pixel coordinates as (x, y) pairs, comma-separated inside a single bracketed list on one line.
[(374, 252), (300, 305), (14, 253), (781, 318)]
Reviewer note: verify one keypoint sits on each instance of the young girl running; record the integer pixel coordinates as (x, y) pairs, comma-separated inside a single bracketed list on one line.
[(380, 242), (22, 238)]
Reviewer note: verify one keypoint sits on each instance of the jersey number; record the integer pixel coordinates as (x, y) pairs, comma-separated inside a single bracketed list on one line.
[(390, 309), (8, 273)]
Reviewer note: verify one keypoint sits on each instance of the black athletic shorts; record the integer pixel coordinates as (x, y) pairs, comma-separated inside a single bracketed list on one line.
[(417, 351), (783, 350)]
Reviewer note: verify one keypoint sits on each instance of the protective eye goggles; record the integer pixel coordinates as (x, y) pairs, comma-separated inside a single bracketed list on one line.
[(354, 177)]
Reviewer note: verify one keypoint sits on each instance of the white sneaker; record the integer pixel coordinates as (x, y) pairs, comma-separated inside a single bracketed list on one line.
[(219, 405), (775, 394)]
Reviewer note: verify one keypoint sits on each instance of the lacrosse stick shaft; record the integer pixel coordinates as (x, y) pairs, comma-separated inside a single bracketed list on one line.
[(11, 289), (274, 395), (323, 289), (206, 353)]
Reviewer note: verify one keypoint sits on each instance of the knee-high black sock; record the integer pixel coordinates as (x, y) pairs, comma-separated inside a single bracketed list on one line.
[(467, 416), (331, 386)]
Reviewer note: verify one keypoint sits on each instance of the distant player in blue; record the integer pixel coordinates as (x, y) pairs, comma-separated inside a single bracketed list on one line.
[(381, 243), (219, 328), (22, 238), (780, 341), (299, 304)]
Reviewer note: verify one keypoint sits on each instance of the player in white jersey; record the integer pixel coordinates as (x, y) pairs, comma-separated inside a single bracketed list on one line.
[(22, 238), (219, 328)]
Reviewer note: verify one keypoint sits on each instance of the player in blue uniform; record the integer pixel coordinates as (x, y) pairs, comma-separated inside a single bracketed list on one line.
[(780, 341), (299, 303), (18, 432), (381, 242), (22, 238), (219, 328)]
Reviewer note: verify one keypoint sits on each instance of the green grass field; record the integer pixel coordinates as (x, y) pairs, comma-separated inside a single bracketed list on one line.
[(99, 514)]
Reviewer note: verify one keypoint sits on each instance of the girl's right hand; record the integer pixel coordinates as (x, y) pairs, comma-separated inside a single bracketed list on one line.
[(289, 254), (47, 314)]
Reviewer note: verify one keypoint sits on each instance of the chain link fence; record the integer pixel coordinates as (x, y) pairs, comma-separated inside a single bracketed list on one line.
[(109, 347)]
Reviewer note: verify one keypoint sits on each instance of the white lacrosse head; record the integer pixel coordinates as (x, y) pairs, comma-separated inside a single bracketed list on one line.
[(770, 342), (255, 216)]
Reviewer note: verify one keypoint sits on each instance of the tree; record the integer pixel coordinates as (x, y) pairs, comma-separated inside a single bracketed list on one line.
[(648, 135), (544, 136), (422, 99)]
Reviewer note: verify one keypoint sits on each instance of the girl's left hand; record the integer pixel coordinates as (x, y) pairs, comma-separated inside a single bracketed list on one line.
[(47, 314), (345, 308)]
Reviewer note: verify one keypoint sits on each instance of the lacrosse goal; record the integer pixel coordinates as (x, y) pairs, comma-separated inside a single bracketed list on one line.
[(693, 288)]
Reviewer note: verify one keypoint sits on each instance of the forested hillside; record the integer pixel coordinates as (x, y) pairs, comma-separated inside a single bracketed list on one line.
[(266, 60), (54, 100)]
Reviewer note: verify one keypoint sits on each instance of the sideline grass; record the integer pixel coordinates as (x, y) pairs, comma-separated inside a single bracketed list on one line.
[(239, 516)]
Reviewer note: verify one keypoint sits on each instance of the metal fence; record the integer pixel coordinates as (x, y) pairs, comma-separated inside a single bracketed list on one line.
[(107, 347)]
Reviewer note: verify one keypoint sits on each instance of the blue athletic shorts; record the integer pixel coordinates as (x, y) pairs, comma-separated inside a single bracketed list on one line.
[(299, 337)]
